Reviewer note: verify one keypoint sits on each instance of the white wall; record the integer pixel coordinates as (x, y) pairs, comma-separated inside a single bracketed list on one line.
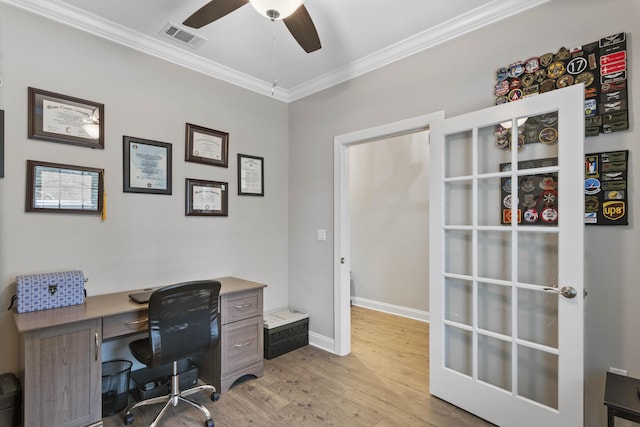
[(389, 206), (146, 239), (458, 77)]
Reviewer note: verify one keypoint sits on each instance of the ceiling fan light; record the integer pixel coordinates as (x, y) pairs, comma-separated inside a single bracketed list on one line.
[(283, 8)]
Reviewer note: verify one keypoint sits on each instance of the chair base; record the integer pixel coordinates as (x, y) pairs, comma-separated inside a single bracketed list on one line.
[(173, 399)]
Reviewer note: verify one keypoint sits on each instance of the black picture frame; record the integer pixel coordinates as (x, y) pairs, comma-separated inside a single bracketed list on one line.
[(65, 119), (207, 146), (250, 175), (146, 166), (206, 198), (60, 188)]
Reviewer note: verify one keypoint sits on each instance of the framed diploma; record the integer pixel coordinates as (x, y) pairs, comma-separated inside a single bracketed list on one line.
[(206, 198), (250, 175), (147, 166), (53, 187), (206, 146), (61, 118)]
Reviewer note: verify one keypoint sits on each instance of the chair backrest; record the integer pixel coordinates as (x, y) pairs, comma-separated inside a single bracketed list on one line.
[(183, 320)]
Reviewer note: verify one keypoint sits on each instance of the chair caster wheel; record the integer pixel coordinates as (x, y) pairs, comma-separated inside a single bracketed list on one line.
[(215, 396), (209, 423), (128, 418)]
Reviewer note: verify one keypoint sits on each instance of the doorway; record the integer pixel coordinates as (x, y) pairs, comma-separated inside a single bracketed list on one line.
[(389, 206), (342, 244)]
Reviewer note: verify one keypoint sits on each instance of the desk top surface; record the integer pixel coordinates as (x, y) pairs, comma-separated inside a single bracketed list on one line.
[(99, 306), (622, 392)]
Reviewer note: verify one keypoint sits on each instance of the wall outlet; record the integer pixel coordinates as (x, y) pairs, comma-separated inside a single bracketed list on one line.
[(618, 371)]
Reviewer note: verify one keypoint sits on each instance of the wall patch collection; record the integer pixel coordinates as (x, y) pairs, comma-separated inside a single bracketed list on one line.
[(601, 66)]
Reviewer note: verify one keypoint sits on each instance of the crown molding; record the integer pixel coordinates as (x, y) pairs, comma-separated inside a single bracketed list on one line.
[(90, 23), (456, 27), (87, 22)]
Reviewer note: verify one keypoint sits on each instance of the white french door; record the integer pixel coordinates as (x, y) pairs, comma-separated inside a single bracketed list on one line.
[(506, 255)]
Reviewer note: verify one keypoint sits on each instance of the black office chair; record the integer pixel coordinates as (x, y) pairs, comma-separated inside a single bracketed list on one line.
[(183, 322)]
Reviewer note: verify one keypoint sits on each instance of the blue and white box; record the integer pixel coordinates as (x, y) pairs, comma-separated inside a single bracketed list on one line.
[(49, 290)]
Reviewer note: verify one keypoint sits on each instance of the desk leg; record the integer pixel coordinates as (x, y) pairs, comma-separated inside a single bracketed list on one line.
[(610, 418)]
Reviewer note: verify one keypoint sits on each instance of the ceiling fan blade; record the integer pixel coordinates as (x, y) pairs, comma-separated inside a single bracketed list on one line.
[(302, 29), (212, 11)]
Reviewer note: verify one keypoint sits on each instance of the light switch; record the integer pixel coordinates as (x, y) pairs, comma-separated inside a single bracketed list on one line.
[(322, 234)]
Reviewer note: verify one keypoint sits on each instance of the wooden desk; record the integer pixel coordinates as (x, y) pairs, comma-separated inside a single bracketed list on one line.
[(61, 360), (621, 398)]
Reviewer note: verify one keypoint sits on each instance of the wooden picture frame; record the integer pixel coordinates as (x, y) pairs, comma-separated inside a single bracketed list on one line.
[(208, 146), (1, 143), (59, 188), (146, 166), (65, 119), (206, 198), (250, 175)]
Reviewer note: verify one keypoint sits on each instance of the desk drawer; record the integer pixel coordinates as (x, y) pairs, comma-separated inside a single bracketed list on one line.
[(242, 344), (241, 305), (124, 324)]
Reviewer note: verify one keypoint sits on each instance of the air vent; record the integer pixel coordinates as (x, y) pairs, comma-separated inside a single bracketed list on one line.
[(175, 32)]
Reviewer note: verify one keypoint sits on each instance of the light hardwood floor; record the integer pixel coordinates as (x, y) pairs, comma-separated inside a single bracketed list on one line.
[(383, 382)]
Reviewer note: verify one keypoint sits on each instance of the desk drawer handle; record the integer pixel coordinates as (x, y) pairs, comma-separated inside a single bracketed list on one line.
[(97, 346), (242, 306), (137, 322), (242, 345)]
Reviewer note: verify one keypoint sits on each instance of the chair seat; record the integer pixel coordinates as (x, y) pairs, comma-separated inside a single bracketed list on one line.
[(141, 350)]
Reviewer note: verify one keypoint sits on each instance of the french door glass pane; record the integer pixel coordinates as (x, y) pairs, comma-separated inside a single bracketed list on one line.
[(537, 196), (494, 254), (457, 203), (457, 156), (458, 296), (493, 149), (457, 350), (538, 317), (538, 136), (538, 258), (491, 202), (494, 361), (538, 376), (494, 308), (458, 247)]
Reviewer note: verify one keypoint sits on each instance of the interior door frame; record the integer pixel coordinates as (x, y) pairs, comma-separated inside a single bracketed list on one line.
[(341, 214)]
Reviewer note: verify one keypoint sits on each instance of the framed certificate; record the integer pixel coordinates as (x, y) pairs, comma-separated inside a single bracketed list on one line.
[(147, 166), (53, 187), (206, 198), (250, 175), (60, 118), (206, 146)]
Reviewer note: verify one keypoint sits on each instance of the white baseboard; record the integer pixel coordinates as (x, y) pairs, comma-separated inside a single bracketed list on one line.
[(328, 344), (322, 342), (411, 313)]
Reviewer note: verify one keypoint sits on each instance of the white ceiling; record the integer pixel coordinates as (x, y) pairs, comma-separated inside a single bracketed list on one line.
[(247, 49)]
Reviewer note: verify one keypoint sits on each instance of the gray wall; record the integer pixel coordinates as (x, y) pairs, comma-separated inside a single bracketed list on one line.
[(146, 239), (389, 206), (458, 77)]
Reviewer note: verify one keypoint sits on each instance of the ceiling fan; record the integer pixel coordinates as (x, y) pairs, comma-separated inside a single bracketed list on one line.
[(292, 12)]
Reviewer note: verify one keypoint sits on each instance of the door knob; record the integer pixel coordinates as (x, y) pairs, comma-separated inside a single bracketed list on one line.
[(566, 291)]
